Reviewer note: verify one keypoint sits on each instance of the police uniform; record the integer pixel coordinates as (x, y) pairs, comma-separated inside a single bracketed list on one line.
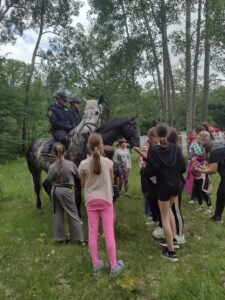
[(59, 118), (75, 115)]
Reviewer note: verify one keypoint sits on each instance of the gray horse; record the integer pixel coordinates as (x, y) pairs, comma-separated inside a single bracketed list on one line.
[(38, 160)]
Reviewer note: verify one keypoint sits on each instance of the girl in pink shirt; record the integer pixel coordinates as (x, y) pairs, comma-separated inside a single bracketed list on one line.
[(96, 174)]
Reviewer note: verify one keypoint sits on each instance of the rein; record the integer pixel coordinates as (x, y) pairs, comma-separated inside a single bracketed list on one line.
[(88, 124)]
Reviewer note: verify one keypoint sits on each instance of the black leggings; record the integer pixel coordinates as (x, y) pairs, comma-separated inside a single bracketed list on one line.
[(152, 199), (200, 194), (179, 220), (220, 198)]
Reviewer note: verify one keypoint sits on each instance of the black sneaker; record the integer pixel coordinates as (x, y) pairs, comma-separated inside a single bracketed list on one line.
[(216, 219), (171, 255), (163, 243)]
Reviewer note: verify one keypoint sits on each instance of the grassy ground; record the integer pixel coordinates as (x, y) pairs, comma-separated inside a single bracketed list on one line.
[(33, 267)]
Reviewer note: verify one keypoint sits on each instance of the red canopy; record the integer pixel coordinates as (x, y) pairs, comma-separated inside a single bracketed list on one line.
[(213, 129)]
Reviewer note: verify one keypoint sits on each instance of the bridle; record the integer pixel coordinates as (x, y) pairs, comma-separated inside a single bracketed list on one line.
[(96, 125)]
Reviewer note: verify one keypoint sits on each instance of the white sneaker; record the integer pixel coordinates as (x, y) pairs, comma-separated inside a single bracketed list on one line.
[(150, 222), (200, 208), (180, 239), (209, 210), (158, 233), (191, 201)]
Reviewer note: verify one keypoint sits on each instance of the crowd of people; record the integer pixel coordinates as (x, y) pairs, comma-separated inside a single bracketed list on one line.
[(164, 176)]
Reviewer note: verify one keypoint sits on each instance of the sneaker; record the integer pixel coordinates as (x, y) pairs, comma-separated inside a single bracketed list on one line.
[(158, 233), (151, 222), (191, 201), (180, 239), (209, 209), (200, 208), (216, 219), (128, 195), (96, 270), (119, 267), (171, 255), (165, 245)]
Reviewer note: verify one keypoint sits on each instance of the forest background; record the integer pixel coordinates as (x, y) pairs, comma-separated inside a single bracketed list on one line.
[(158, 59)]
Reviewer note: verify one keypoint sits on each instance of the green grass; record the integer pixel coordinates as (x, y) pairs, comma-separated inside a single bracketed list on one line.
[(33, 267)]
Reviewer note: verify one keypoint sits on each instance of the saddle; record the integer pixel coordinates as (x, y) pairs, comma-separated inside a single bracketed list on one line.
[(48, 147)]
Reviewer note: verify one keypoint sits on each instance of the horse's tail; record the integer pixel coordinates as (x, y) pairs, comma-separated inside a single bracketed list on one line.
[(36, 174)]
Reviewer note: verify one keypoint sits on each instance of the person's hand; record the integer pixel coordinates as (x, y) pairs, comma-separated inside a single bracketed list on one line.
[(136, 149), (199, 168)]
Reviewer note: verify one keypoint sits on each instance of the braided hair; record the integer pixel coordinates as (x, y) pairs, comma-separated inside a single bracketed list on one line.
[(59, 150)]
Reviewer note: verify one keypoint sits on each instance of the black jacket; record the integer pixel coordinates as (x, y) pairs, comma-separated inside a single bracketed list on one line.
[(59, 117), (167, 164), (75, 117)]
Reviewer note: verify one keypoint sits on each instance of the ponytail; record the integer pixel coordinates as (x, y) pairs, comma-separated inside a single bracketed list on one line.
[(96, 162), (59, 150), (95, 147), (163, 141), (162, 131)]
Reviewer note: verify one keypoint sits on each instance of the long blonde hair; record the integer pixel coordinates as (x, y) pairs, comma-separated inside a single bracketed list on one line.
[(59, 150), (95, 148)]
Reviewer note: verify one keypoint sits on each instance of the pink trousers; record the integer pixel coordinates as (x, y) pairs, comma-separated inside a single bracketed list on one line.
[(97, 209)]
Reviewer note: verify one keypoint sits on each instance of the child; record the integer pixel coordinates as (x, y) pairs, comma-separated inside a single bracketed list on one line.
[(150, 188), (96, 174), (109, 152), (61, 173), (123, 159), (196, 179), (166, 162), (144, 182), (173, 138)]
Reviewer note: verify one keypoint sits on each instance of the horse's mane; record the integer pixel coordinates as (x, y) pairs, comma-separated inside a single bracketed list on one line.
[(114, 123)]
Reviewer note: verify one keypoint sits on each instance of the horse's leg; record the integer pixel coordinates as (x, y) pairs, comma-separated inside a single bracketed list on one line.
[(48, 187), (78, 197), (37, 188)]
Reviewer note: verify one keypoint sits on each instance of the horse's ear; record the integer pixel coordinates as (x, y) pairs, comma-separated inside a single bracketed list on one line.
[(101, 100), (133, 118)]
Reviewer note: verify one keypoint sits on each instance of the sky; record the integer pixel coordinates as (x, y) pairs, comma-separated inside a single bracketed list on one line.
[(24, 46)]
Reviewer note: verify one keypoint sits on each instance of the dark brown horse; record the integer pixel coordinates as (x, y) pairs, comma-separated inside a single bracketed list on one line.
[(111, 131)]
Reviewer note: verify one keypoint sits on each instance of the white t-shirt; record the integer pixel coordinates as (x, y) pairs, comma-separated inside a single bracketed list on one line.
[(97, 186)]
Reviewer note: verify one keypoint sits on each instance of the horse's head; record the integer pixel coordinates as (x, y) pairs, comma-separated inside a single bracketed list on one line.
[(130, 132), (92, 117)]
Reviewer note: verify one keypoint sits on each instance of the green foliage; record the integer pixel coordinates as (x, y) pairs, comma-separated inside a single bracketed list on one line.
[(12, 81), (33, 267)]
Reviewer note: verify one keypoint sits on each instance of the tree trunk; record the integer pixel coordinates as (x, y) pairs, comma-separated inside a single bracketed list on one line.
[(207, 61), (196, 62), (128, 39), (173, 98), (166, 76), (189, 109), (25, 129), (156, 61)]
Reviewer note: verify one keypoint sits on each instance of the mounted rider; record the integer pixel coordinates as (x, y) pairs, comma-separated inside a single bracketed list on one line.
[(59, 118), (75, 115)]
